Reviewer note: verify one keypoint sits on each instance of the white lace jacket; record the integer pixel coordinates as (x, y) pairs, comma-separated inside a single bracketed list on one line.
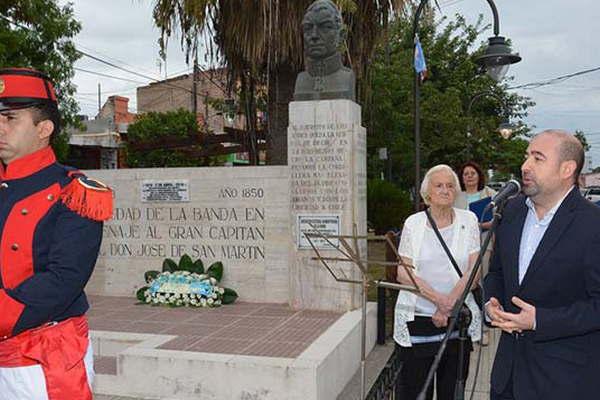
[(466, 229)]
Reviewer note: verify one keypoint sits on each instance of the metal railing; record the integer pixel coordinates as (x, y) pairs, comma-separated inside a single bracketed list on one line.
[(385, 384)]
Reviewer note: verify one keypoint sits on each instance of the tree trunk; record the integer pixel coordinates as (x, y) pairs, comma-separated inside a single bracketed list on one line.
[(281, 92)]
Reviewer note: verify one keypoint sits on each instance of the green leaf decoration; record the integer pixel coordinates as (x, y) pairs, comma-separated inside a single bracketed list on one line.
[(198, 267), (216, 271), (149, 276), (140, 293), (229, 296), (185, 263), (169, 265)]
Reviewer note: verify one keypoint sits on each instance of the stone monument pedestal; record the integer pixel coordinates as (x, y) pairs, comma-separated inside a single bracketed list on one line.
[(327, 162)]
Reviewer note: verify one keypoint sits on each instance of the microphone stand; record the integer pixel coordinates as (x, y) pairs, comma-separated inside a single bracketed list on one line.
[(456, 318)]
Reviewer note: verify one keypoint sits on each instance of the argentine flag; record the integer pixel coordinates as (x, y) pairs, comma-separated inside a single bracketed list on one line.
[(420, 65)]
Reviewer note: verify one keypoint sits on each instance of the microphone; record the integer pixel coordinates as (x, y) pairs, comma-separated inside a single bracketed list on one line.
[(511, 189)]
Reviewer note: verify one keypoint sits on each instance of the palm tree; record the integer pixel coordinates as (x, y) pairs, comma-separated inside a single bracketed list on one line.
[(260, 43)]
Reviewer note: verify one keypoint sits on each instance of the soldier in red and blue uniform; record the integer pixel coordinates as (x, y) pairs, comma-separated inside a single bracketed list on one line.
[(50, 233)]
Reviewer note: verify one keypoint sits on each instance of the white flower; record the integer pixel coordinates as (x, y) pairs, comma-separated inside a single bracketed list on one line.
[(221, 290), (218, 302), (213, 281), (214, 296), (194, 302), (203, 301), (210, 301)]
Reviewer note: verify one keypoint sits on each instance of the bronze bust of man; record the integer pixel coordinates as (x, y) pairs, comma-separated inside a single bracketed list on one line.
[(325, 77)]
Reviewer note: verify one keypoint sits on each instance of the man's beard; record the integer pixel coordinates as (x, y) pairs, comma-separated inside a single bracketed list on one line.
[(531, 190)]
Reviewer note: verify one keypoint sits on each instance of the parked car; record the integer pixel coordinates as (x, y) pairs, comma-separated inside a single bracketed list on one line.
[(592, 193)]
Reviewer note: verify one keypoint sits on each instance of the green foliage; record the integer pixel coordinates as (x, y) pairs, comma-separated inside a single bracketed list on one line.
[(169, 265), (149, 276), (216, 271), (445, 96), (156, 128), (198, 267), (229, 296), (387, 205), (185, 263), (42, 38), (139, 294), (581, 136)]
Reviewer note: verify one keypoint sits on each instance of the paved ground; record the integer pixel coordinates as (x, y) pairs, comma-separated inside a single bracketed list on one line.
[(257, 329), (247, 328)]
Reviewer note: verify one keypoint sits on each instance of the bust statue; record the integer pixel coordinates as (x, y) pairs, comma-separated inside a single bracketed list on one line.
[(325, 77)]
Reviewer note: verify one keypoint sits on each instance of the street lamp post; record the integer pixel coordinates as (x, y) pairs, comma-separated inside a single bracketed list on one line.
[(496, 59), (505, 129)]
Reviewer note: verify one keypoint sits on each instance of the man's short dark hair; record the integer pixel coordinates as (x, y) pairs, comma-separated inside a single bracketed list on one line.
[(569, 149), (573, 150), (47, 111)]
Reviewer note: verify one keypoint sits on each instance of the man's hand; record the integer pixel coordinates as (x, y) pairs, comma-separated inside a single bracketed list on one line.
[(523, 321), (440, 319), (493, 309)]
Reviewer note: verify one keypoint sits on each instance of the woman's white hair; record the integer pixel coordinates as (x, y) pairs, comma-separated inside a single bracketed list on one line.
[(427, 178)]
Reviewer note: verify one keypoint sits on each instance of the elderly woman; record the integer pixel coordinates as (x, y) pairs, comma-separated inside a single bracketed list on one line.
[(421, 320)]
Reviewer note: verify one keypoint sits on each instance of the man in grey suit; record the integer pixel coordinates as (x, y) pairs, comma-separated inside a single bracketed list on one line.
[(543, 287)]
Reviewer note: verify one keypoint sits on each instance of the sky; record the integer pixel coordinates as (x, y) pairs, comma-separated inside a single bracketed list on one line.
[(554, 38)]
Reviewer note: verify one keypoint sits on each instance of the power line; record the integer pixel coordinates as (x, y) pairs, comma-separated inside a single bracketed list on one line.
[(124, 69), (107, 76), (86, 54), (552, 81), (149, 77), (79, 45), (203, 72), (130, 89), (450, 3)]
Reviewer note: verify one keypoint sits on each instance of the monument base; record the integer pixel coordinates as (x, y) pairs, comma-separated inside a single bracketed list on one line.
[(328, 164), (143, 365)]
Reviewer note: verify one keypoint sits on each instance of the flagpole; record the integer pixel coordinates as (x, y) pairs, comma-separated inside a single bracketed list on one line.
[(505, 60), (417, 95)]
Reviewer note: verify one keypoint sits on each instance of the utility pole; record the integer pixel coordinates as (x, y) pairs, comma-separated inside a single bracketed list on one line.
[(195, 88), (206, 111)]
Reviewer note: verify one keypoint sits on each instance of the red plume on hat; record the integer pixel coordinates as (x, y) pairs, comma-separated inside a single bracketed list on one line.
[(25, 87)]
